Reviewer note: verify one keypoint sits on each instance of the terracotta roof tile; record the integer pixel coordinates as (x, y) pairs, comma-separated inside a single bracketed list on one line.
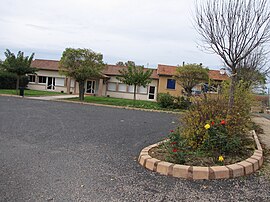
[(215, 75), (111, 70), (167, 70), (45, 64)]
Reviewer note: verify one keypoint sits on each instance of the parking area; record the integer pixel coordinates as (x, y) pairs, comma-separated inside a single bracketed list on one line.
[(56, 151)]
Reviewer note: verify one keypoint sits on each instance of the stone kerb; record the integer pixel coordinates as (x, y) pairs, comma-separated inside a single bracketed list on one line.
[(242, 168)]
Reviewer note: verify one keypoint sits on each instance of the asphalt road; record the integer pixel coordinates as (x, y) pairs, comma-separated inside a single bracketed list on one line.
[(53, 151)]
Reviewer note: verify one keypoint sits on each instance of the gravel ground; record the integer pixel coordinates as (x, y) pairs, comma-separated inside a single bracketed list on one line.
[(53, 151)]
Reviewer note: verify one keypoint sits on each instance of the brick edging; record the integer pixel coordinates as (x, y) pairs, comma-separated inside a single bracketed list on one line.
[(242, 168)]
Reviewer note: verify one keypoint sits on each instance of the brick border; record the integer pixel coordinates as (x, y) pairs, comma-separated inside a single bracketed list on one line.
[(242, 168)]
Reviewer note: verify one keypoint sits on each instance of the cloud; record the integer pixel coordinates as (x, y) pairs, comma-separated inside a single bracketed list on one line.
[(152, 31)]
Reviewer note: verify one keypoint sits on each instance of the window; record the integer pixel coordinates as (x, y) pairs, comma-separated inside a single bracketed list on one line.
[(59, 81), (170, 84), (131, 89), (122, 87), (42, 79), (112, 86), (151, 95), (142, 90), (32, 78)]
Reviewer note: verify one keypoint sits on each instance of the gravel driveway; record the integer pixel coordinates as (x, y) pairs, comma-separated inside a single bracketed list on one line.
[(53, 151)]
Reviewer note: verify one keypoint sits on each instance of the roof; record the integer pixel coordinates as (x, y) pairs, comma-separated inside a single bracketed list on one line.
[(110, 70), (216, 75), (46, 64), (167, 70), (113, 70)]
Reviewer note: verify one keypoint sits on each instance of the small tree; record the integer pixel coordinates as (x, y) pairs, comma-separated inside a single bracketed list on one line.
[(120, 63), (19, 65), (190, 75), (135, 75), (81, 64)]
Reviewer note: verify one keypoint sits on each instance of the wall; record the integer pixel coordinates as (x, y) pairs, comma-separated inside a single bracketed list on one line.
[(162, 88), (128, 95)]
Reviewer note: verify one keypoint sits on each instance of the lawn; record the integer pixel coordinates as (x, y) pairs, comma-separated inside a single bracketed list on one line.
[(29, 92), (121, 102)]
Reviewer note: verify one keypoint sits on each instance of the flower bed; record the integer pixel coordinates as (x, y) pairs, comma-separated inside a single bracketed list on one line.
[(242, 168)]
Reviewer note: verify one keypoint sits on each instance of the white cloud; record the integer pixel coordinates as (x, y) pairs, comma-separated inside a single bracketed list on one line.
[(149, 31)]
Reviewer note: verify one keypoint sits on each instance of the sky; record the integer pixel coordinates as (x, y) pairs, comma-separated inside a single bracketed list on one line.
[(149, 32)]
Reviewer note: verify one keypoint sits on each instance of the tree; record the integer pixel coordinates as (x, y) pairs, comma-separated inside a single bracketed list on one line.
[(120, 63), (190, 75), (135, 75), (19, 65), (233, 30), (253, 70), (81, 64)]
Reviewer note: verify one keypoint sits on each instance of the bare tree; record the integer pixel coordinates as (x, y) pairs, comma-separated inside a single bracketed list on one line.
[(233, 29), (254, 69)]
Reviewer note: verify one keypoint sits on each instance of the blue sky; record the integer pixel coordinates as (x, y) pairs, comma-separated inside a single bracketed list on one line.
[(148, 32)]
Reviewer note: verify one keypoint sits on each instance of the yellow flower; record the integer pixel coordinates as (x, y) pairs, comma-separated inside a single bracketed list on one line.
[(207, 126), (220, 158)]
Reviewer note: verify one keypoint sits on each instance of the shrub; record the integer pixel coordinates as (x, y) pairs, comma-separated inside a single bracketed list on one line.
[(8, 80), (165, 100)]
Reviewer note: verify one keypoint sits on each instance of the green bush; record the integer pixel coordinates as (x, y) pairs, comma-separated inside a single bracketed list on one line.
[(165, 100), (8, 80)]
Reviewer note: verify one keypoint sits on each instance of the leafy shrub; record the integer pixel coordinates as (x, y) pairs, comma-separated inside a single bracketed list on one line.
[(165, 100), (8, 80)]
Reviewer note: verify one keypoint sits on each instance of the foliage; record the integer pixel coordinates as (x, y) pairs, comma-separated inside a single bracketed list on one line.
[(190, 75), (176, 146), (135, 75), (225, 27), (120, 63), (81, 64), (20, 65), (8, 80), (165, 100)]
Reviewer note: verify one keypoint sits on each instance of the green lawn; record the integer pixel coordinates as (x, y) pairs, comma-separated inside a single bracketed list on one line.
[(30, 92), (121, 102)]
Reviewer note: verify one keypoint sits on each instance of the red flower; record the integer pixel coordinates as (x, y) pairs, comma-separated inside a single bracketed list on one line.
[(212, 123), (174, 150), (223, 122), (174, 143), (172, 131)]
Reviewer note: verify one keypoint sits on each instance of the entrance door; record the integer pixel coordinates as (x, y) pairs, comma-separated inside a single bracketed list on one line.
[(90, 87), (50, 83), (151, 94)]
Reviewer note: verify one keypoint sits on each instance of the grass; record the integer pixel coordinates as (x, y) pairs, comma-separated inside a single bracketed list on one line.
[(121, 102), (30, 93)]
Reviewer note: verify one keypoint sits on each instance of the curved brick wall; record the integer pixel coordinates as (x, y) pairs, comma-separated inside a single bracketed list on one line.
[(242, 168)]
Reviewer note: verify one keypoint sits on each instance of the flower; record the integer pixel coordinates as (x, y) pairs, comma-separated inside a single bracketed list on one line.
[(172, 131), (220, 159), (223, 122), (212, 123), (174, 143), (207, 126), (174, 150)]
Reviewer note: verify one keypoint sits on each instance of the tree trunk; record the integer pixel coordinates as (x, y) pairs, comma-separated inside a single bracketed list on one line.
[(134, 94), (17, 84), (231, 93), (81, 90)]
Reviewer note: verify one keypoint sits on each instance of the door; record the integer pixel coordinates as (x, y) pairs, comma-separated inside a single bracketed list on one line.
[(151, 94), (50, 83), (90, 87)]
